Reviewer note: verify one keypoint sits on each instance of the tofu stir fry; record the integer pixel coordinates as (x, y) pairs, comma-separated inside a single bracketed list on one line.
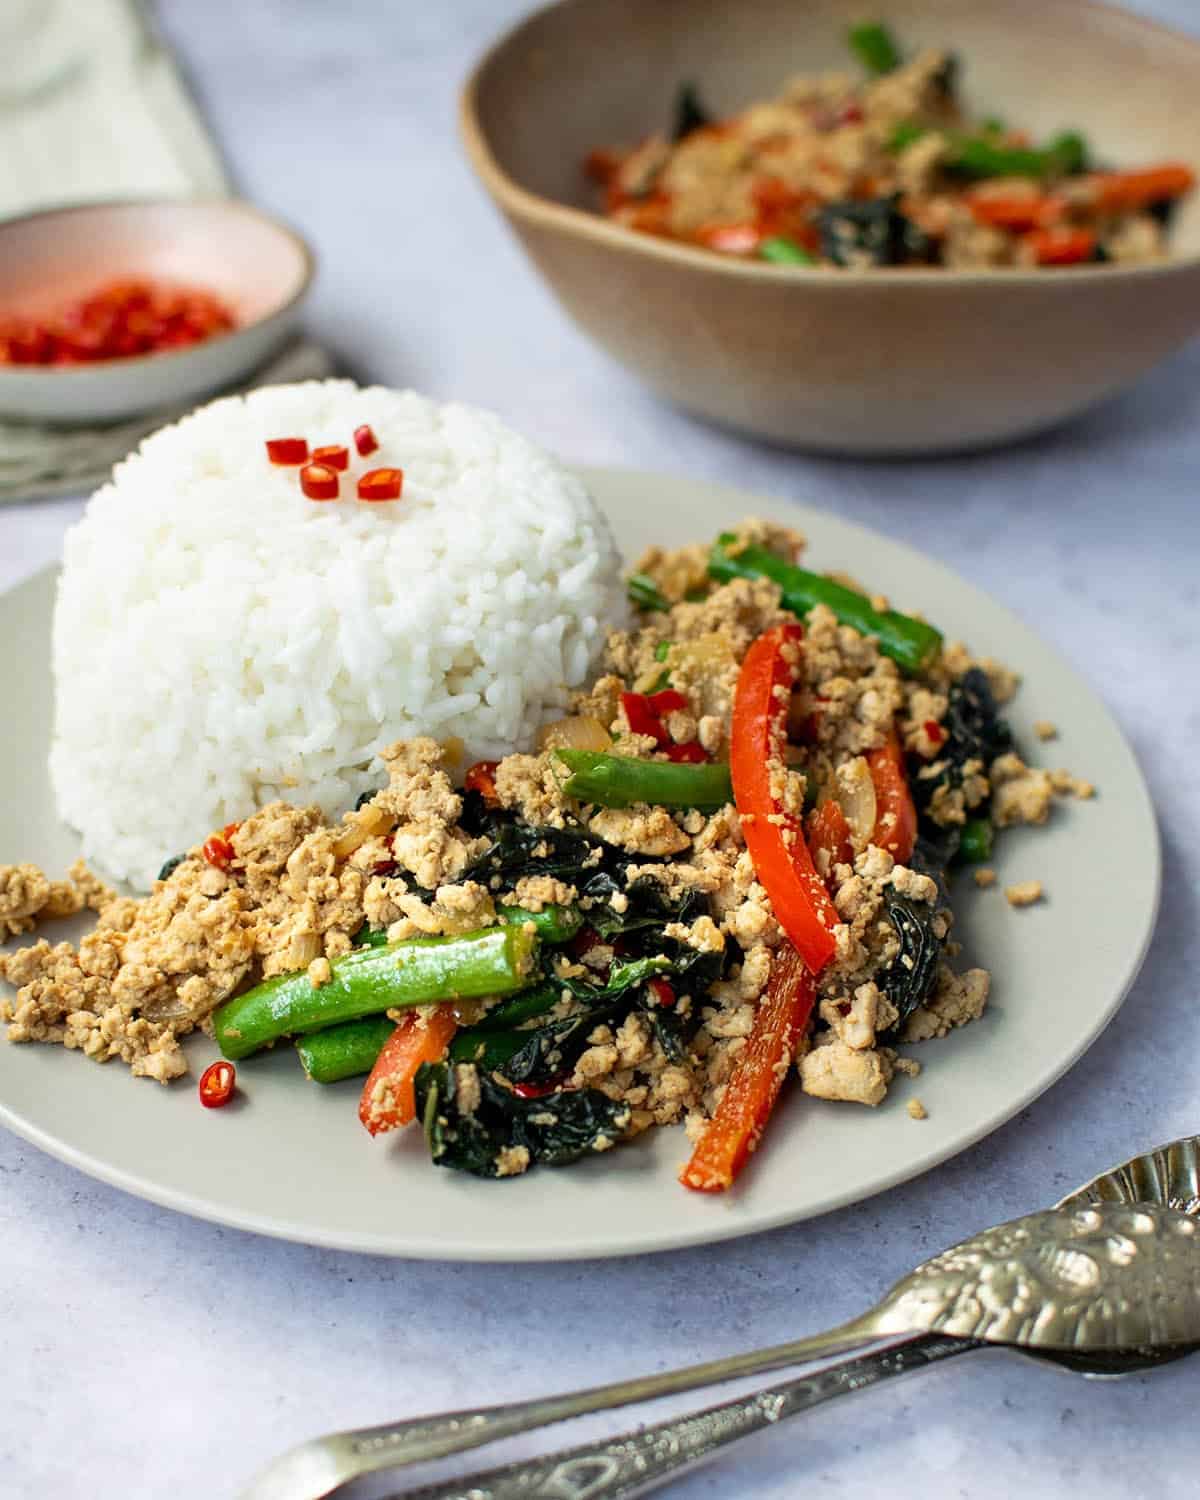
[(884, 169), (728, 867)]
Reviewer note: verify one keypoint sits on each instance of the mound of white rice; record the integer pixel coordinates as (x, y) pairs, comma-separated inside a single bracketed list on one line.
[(219, 640)]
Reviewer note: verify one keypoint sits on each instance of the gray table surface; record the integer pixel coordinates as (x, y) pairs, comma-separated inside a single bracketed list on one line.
[(147, 1355)]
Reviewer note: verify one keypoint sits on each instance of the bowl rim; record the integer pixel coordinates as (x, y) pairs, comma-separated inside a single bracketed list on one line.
[(132, 362), (522, 203)]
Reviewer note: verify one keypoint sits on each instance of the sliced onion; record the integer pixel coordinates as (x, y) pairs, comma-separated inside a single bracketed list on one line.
[(363, 825), (855, 792), (579, 732), (303, 948)]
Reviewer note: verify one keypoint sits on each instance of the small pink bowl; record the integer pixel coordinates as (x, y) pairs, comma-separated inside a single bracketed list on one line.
[(258, 267)]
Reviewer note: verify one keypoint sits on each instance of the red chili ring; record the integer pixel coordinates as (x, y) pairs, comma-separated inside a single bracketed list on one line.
[(217, 1083)]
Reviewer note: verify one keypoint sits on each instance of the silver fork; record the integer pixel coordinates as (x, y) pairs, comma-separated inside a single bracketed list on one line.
[(1169, 1176)]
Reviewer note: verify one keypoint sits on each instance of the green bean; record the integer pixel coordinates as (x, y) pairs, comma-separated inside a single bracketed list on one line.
[(644, 593), (905, 134), (874, 46), (554, 923), (418, 971), (618, 780), (913, 644), (975, 841), (369, 937), (345, 1051), (782, 251)]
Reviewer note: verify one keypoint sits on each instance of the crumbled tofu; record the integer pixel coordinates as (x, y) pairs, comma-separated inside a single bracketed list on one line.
[(957, 1000), (917, 1110), (1026, 893), (833, 1070), (984, 877), (1045, 730)]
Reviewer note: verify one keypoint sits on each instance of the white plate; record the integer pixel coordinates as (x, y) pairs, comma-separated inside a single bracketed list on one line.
[(291, 1159)]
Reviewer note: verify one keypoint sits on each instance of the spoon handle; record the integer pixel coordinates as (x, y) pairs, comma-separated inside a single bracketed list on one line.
[(634, 1463), (315, 1468)]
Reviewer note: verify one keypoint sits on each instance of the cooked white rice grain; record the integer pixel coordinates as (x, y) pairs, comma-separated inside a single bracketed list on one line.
[(220, 641)]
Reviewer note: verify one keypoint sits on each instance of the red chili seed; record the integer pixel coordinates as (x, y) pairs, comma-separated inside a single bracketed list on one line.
[(333, 456), (320, 482), (287, 450), (365, 440), (217, 1084), (381, 484)]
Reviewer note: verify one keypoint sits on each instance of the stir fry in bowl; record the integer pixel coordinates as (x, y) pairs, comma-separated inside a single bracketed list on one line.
[(884, 170)]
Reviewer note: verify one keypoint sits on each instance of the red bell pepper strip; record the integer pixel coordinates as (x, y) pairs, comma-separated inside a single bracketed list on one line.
[(737, 1126), (775, 838), (829, 833), (1125, 192), (1062, 246), (895, 813), (387, 1100)]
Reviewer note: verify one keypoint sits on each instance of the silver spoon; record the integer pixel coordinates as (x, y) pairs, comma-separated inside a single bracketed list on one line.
[(1107, 1277), (632, 1464)]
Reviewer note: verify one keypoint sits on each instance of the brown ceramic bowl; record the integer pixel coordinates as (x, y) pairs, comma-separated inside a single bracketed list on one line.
[(889, 361)]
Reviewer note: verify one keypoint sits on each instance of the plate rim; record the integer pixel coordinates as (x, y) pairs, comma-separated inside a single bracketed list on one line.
[(414, 1245)]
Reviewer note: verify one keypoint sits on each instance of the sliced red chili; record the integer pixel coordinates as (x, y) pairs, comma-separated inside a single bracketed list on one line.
[(644, 718), (692, 754), (934, 731), (217, 1084), (287, 450), (666, 701), (333, 456), (533, 1090), (365, 440), (663, 994), (381, 484), (319, 482), (481, 778), (218, 851)]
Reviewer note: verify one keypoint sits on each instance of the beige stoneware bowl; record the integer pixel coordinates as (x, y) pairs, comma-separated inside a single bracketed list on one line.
[(894, 361), (258, 267)]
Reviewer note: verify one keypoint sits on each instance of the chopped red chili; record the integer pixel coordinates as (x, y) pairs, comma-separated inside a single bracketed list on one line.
[(642, 718), (122, 320), (381, 484), (934, 731), (218, 851), (365, 440), (320, 482), (481, 778), (668, 701), (533, 1090), (217, 1084), (333, 456), (287, 450), (663, 994), (691, 754)]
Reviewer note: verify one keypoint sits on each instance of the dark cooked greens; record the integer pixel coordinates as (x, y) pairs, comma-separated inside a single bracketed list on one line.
[(471, 1121), (975, 732), (690, 114), (873, 232)]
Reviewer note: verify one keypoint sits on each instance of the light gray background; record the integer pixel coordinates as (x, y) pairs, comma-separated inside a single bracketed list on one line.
[(146, 1355)]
